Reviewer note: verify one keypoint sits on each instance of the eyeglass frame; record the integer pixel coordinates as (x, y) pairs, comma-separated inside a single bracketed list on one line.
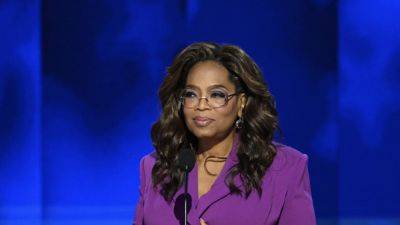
[(227, 99)]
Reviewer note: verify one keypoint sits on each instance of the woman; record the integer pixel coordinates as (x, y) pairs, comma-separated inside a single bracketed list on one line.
[(215, 101)]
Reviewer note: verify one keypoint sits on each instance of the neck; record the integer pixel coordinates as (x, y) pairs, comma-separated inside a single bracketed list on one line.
[(215, 147)]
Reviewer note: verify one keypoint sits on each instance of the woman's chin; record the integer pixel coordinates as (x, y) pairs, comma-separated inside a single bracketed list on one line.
[(209, 133), (204, 134)]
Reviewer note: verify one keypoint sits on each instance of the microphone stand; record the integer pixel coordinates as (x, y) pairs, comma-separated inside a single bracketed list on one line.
[(186, 196), (186, 161)]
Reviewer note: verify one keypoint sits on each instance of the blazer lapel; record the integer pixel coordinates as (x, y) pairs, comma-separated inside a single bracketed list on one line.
[(193, 193), (219, 189)]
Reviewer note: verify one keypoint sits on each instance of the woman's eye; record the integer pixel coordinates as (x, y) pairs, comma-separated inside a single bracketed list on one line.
[(217, 94), (189, 94)]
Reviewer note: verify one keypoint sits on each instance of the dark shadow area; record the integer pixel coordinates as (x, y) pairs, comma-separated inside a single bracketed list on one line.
[(179, 208)]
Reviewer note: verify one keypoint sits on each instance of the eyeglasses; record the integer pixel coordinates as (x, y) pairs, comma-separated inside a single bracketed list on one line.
[(215, 99)]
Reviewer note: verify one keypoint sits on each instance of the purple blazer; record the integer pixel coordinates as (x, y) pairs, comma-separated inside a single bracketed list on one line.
[(286, 196)]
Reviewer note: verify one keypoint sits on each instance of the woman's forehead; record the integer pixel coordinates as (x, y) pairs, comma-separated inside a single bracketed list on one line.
[(209, 74)]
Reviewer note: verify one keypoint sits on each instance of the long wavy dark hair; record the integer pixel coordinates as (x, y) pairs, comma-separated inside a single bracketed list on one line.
[(170, 134)]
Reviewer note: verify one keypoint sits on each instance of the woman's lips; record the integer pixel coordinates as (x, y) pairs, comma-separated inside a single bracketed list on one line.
[(202, 121)]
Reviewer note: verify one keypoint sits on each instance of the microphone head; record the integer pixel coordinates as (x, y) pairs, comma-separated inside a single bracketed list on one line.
[(186, 159)]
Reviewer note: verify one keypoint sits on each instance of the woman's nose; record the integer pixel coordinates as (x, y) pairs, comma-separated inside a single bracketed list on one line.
[(203, 104)]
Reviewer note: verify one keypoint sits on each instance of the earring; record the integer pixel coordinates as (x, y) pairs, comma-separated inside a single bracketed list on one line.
[(239, 123)]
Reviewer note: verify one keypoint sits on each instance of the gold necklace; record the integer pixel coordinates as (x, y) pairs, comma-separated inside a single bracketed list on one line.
[(212, 158)]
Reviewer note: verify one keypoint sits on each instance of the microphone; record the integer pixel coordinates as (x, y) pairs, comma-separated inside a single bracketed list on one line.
[(186, 161)]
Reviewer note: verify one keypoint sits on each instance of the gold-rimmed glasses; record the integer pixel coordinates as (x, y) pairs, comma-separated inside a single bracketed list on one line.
[(215, 98)]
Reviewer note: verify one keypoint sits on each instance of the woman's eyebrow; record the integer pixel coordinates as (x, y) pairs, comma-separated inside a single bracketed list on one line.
[(208, 88)]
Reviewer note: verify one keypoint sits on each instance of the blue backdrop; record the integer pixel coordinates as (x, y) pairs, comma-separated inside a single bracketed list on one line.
[(78, 95)]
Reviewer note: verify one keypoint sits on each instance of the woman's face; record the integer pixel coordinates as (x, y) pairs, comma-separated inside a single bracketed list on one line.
[(205, 122)]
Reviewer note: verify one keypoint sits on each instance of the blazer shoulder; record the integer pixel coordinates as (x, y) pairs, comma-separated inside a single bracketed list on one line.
[(146, 165), (147, 162), (287, 157)]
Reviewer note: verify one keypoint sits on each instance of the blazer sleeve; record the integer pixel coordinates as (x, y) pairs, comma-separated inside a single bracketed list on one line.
[(298, 207), (138, 218)]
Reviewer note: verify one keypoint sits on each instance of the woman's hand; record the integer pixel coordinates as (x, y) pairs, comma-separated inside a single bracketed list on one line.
[(202, 222)]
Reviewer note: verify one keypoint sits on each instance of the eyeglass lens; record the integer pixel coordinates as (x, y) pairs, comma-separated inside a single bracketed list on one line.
[(215, 98)]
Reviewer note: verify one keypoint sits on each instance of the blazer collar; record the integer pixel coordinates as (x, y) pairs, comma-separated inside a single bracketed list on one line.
[(219, 189)]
